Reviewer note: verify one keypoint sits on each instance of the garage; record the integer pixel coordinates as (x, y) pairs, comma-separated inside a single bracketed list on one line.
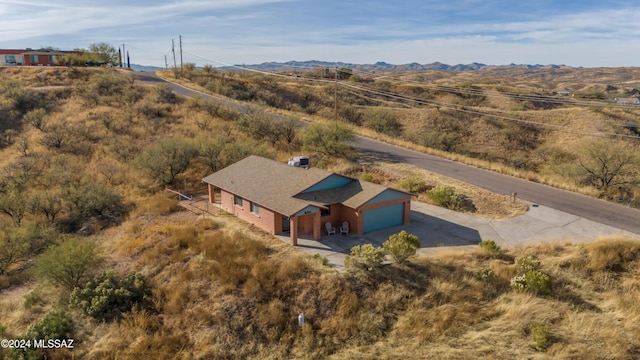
[(383, 217)]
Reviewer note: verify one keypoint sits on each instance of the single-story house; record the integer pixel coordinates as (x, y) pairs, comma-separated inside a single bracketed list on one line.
[(43, 57), (628, 101), (284, 199)]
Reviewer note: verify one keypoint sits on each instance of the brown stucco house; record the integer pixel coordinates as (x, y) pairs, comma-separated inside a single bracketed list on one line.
[(284, 199)]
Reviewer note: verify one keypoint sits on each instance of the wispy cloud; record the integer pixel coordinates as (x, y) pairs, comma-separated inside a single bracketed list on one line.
[(400, 31)]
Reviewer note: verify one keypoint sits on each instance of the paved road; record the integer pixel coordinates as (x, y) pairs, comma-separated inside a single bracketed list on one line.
[(583, 206)]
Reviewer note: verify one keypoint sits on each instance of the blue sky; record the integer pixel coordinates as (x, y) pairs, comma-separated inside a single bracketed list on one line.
[(577, 33)]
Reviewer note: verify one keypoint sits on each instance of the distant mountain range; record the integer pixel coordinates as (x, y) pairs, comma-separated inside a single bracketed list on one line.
[(381, 65)]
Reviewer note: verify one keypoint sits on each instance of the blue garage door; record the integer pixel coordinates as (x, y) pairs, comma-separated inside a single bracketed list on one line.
[(384, 217)]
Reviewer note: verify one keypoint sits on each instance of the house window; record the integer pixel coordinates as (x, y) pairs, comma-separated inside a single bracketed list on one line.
[(52, 59), (10, 59), (34, 59), (237, 200), (326, 212), (255, 209)]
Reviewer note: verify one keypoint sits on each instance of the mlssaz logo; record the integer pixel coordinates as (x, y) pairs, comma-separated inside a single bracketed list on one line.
[(53, 344)]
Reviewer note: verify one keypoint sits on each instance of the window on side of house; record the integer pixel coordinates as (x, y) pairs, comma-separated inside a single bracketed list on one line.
[(255, 209), (10, 59), (34, 59), (237, 200)]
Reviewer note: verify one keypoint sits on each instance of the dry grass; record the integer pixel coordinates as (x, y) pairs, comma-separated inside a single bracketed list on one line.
[(223, 289)]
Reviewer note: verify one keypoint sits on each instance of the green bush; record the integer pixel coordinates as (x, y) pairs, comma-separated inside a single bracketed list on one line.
[(413, 184), (538, 282), (401, 246), (57, 324), (446, 197), (540, 336), (382, 121), (367, 177), (70, 262), (490, 246), (532, 281), (328, 139), (364, 257), (483, 274), (165, 160), (108, 296), (321, 259), (527, 263)]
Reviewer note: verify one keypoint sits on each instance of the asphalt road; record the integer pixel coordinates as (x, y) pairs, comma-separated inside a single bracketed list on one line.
[(583, 206)]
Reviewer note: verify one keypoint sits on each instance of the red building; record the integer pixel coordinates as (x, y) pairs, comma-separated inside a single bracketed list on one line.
[(42, 57)]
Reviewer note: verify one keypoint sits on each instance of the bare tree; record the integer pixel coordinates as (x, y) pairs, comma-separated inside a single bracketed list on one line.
[(606, 164)]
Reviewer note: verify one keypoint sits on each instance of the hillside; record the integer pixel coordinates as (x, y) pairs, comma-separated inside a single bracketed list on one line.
[(93, 249), (550, 125)]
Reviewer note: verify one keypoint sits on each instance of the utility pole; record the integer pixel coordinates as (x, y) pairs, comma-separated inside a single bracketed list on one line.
[(166, 65), (175, 66), (335, 95), (123, 52), (181, 64)]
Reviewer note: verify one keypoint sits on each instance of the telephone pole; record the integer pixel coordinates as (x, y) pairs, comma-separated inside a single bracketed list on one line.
[(166, 64), (181, 64), (173, 50), (335, 96), (123, 53)]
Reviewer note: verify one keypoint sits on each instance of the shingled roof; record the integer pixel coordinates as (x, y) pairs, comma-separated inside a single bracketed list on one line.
[(353, 195), (279, 187), (267, 182)]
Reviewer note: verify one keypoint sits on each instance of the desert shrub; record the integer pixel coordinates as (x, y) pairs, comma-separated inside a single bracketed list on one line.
[(483, 274), (164, 161), (22, 98), (351, 114), (532, 281), (526, 263), (364, 257), (540, 336), (538, 282), (367, 177), (32, 298), (35, 118), (490, 246), (322, 259), (401, 246), (328, 139), (413, 184), (261, 126), (69, 263), (446, 197), (57, 324), (107, 296), (382, 121), (89, 200), (20, 243)]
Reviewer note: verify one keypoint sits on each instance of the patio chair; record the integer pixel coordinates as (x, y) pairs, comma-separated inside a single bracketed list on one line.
[(344, 229), (330, 229)]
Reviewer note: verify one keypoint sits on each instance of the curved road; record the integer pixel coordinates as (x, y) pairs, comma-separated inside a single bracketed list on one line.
[(589, 208)]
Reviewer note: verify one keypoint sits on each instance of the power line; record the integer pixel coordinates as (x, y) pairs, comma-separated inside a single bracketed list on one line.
[(438, 105)]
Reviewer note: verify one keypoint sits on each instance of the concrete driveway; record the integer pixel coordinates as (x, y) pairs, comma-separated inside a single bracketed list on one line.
[(441, 229)]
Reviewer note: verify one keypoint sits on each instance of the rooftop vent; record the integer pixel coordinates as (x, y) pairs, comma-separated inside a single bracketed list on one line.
[(299, 161)]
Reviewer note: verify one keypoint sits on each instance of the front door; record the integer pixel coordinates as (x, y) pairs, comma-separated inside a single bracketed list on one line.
[(286, 224)]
